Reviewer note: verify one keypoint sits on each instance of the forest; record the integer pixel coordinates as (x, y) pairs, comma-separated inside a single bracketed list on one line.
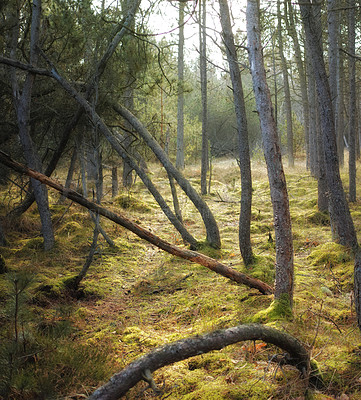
[(179, 208)]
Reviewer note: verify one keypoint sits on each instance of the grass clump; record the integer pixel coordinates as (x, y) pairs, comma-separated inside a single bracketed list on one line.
[(128, 202), (330, 253)]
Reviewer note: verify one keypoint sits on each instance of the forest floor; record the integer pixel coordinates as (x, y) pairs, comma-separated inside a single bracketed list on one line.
[(58, 345)]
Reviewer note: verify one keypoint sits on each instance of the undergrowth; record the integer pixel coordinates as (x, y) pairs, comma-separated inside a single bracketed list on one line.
[(55, 343)]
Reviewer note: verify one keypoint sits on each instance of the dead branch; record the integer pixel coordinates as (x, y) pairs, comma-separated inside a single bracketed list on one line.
[(120, 383), (190, 255)]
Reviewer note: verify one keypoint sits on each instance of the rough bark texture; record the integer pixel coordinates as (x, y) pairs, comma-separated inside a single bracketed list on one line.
[(168, 354), (342, 224), (272, 152), (244, 156), (190, 255), (357, 287)]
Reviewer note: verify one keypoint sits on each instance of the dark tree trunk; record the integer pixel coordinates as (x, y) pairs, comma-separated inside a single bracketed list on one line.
[(272, 152), (190, 255), (182, 349), (115, 186), (244, 156), (342, 223), (69, 177)]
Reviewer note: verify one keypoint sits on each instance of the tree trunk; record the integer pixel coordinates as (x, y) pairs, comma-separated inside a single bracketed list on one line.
[(180, 109), (115, 186), (277, 181), (352, 102), (290, 23), (71, 169), (182, 349), (203, 73), (23, 105), (210, 223), (286, 88), (342, 223), (244, 155), (190, 255)]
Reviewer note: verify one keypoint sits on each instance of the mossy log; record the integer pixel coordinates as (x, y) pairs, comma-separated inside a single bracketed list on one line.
[(138, 370), (190, 255)]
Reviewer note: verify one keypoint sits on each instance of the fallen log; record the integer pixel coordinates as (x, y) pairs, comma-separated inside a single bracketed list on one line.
[(140, 369), (190, 255)]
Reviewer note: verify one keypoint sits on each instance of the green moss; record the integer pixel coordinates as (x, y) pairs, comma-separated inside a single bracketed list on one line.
[(136, 336), (330, 253), (319, 218), (126, 201), (278, 310)]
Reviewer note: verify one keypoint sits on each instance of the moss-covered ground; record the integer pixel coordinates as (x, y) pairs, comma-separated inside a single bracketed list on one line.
[(59, 344)]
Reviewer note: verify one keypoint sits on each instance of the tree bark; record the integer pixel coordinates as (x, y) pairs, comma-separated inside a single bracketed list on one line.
[(286, 88), (352, 102), (190, 255), (180, 109), (182, 349), (23, 106), (213, 236), (203, 75), (243, 146), (272, 153), (342, 224)]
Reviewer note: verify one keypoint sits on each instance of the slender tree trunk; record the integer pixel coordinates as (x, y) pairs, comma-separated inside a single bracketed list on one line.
[(343, 228), (290, 23), (276, 177), (244, 155), (287, 92), (115, 186), (71, 169), (352, 101), (180, 110), (203, 73), (23, 106), (340, 127)]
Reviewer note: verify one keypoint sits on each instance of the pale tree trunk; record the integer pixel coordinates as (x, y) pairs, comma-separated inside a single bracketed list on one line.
[(180, 109), (286, 88), (23, 106), (203, 73), (244, 156), (115, 186), (333, 20), (276, 177), (342, 224), (290, 23), (352, 101)]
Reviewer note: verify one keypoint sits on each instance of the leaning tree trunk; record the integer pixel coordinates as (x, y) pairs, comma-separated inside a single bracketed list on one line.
[(142, 368), (190, 255), (272, 152), (342, 224), (244, 156)]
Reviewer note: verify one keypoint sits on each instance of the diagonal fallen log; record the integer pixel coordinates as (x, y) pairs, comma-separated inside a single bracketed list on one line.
[(190, 255), (120, 383)]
